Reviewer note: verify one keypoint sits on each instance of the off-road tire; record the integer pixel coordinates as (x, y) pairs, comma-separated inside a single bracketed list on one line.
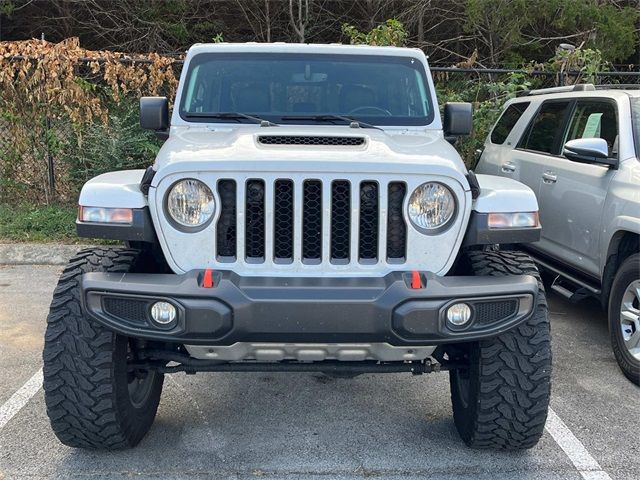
[(501, 400), (86, 383), (628, 272)]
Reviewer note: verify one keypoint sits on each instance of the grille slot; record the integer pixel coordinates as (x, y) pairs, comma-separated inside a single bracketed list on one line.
[(226, 234), (283, 221), (312, 220), (310, 140), (368, 228), (489, 312), (396, 226), (340, 221), (255, 220), (129, 309)]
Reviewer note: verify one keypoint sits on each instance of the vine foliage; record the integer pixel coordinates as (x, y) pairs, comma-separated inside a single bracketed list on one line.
[(55, 99)]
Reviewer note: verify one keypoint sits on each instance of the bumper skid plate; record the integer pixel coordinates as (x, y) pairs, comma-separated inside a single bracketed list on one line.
[(307, 310)]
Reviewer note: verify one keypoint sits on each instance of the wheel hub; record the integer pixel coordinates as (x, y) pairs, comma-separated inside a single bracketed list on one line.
[(139, 382), (630, 319)]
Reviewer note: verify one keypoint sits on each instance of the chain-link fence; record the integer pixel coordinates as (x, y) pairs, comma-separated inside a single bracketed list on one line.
[(46, 157)]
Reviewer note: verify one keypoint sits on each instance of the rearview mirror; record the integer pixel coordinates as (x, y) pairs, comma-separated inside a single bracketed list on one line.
[(458, 119), (154, 114), (589, 150)]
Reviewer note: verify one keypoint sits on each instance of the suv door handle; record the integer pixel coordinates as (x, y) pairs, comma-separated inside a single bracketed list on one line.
[(549, 177), (508, 167)]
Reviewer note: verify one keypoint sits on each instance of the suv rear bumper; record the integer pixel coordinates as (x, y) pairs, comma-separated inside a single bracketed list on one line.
[(307, 310)]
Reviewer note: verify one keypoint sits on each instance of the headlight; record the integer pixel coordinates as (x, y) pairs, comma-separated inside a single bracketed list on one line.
[(431, 207), (190, 203)]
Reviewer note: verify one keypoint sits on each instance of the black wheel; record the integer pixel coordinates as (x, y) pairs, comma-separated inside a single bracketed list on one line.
[(624, 317), (93, 400), (501, 400)]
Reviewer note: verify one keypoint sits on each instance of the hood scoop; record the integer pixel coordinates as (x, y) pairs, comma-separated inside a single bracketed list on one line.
[(310, 140)]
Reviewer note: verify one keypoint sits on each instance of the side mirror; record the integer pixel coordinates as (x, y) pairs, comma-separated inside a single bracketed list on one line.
[(154, 115), (458, 119), (589, 150)]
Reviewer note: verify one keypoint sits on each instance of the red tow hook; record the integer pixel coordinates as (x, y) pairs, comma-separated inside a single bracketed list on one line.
[(207, 279), (416, 281)]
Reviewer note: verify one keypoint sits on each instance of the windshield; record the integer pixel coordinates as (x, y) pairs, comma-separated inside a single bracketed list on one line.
[(382, 90)]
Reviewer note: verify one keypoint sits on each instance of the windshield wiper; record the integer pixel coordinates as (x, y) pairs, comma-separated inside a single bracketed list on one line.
[(232, 116), (353, 123)]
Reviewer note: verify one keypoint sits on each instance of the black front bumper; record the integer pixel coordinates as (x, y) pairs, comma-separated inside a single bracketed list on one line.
[(307, 310)]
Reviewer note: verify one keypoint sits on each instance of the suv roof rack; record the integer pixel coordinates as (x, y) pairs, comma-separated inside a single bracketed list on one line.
[(619, 86), (580, 87)]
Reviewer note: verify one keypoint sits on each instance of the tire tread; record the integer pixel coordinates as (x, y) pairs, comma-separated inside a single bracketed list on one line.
[(515, 368), (78, 359)]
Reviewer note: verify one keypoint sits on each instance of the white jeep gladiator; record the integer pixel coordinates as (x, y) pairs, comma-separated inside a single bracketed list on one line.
[(306, 213)]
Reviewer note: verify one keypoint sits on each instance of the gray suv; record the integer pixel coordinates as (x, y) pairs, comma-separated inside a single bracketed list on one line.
[(578, 148)]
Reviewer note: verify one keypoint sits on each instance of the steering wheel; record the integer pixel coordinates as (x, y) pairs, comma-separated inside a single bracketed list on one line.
[(363, 109)]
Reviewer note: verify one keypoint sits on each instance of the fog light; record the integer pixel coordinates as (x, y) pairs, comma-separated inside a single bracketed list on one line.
[(459, 314), (163, 313)]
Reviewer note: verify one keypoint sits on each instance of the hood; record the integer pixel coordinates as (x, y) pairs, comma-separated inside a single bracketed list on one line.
[(225, 147)]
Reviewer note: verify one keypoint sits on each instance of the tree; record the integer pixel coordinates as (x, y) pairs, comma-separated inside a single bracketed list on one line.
[(504, 32), (391, 32), (300, 19)]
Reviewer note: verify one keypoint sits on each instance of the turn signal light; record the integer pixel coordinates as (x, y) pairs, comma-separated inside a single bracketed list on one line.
[(513, 220), (105, 215)]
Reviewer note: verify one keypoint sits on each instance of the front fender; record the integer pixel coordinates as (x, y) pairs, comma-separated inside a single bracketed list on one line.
[(117, 190), (501, 195), (114, 190)]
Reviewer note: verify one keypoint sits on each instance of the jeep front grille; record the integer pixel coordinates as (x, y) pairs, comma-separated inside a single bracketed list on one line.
[(339, 221)]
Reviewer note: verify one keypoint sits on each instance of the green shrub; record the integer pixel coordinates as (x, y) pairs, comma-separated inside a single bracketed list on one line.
[(120, 144)]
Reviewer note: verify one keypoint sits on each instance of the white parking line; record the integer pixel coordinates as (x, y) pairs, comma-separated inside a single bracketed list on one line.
[(20, 398), (582, 460), (586, 465)]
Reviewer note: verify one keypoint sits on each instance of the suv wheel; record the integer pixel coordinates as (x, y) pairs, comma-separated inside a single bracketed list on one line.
[(624, 317), (501, 399), (93, 400)]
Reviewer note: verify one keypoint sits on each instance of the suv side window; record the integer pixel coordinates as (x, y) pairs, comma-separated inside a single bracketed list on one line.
[(595, 119), (545, 131), (507, 121)]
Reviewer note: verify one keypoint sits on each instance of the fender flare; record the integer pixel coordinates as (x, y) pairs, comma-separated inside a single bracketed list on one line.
[(120, 189), (500, 195), (503, 195)]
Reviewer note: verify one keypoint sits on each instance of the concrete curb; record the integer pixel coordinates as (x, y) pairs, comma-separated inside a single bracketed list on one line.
[(37, 253)]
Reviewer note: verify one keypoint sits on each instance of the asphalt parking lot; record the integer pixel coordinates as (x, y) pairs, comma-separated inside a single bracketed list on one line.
[(305, 426)]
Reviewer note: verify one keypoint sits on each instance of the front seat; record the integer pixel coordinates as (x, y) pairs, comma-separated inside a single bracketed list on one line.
[(356, 96), (252, 98)]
